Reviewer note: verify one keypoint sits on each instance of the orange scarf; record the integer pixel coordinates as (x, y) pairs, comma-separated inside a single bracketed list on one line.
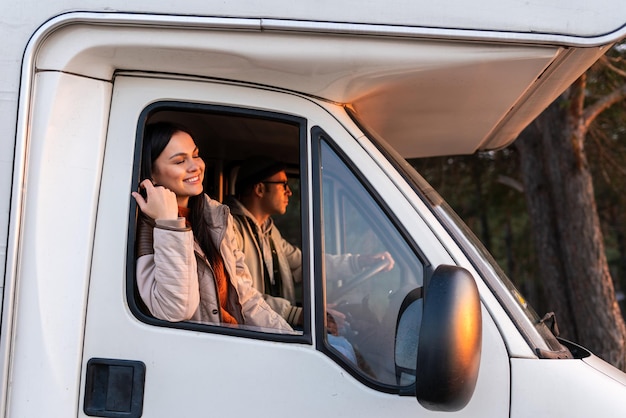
[(221, 276)]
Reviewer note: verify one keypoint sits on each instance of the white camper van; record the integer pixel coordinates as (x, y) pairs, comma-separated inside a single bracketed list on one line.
[(342, 92)]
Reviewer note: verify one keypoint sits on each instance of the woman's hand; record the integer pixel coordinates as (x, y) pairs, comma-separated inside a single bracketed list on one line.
[(159, 203)]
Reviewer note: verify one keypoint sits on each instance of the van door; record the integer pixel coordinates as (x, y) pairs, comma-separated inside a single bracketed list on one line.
[(136, 365)]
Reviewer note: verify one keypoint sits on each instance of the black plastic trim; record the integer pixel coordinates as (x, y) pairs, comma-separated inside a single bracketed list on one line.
[(114, 388)]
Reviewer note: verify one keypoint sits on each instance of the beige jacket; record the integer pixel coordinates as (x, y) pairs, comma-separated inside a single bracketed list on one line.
[(175, 279), (289, 260)]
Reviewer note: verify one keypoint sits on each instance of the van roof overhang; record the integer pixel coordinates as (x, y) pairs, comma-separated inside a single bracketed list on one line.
[(430, 93)]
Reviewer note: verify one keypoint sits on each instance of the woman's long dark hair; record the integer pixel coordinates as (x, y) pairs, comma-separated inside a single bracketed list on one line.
[(156, 137)]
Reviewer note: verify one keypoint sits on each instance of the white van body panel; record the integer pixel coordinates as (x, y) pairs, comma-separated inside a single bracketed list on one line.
[(64, 159), (580, 387), (425, 79), (431, 79)]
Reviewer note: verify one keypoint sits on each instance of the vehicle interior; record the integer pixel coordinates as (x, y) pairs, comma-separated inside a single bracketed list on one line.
[(227, 137)]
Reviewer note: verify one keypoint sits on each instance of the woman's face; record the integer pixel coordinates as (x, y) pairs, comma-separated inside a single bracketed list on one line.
[(180, 168)]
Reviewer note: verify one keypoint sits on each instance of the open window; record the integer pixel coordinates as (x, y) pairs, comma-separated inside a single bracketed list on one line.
[(226, 136)]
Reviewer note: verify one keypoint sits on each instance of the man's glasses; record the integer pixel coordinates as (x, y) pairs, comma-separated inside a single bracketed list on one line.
[(285, 184)]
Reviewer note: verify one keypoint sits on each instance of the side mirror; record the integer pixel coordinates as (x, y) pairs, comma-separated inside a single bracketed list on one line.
[(450, 340)]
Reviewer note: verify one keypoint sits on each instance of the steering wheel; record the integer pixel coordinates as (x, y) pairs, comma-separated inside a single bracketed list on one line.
[(360, 278)]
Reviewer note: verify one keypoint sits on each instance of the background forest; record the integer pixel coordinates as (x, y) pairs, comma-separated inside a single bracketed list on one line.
[(490, 191)]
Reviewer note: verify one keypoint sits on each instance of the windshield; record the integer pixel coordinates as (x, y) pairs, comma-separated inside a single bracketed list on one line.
[(506, 292), (533, 328)]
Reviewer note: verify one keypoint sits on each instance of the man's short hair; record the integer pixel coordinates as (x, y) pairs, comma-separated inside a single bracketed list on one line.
[(254, 170)]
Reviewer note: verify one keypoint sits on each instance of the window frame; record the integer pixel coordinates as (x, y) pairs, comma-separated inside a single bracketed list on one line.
[(132, 298)]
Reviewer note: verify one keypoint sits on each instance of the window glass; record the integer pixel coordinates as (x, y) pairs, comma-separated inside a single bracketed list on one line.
[(373, 280)]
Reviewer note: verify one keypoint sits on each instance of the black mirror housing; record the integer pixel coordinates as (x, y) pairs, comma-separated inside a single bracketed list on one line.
[(450, 340)]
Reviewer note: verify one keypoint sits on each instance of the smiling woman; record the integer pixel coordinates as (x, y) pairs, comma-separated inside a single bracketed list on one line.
[(180, 168), (174, 166), (187, 266)]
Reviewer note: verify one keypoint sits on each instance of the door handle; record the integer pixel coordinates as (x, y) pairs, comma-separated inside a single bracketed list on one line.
[(114, 388)]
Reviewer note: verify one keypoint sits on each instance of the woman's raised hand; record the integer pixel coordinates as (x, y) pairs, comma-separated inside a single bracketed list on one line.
[(159, 203)]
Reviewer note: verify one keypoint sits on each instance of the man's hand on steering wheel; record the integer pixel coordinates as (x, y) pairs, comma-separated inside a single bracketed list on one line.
[(370, 266), (367, 260)]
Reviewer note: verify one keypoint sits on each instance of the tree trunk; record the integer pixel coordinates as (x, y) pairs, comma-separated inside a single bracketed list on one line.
[(566, 229)]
